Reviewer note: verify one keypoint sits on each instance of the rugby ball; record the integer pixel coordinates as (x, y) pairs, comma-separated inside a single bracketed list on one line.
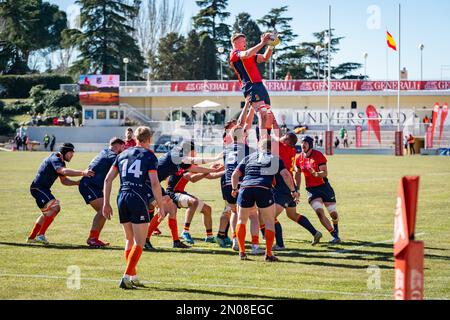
[(274, 40)]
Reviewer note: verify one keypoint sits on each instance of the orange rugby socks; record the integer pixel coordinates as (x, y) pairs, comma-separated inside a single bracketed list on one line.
[(240, 232), (133, 259), (270, 237), (47, 222), (173, 229)]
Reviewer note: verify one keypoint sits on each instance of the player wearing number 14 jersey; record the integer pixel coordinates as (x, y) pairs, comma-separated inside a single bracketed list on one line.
[(137, 168)]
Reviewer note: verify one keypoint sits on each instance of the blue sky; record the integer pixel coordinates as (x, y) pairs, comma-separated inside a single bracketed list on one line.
[(358, 21)]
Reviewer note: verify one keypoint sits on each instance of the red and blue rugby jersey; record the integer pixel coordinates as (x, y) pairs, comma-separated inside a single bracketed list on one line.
[(246, 69)]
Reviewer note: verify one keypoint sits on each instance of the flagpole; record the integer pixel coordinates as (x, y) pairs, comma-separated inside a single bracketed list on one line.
[(399, 62), (387, 63)]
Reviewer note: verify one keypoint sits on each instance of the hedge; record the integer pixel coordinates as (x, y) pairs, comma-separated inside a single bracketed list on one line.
[(19, 86)]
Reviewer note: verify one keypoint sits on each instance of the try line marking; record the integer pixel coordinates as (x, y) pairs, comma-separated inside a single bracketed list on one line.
[(190, 284)]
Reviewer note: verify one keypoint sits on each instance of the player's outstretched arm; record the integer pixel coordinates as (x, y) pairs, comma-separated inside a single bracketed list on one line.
[(195, 177), (244, 114), (156, 189), (262, 58), (215, 175), (68, 182), (107, 186), (201, 160), (75, 173), (214, 168), (254, 50)]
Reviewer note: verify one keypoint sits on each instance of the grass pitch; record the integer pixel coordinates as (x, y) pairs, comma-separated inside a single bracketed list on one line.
[(366, 188)]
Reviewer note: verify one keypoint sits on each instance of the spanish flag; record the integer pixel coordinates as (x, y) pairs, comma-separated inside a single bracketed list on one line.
[(390, 41)]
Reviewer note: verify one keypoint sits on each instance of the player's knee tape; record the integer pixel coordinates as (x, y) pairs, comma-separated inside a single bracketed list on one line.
[(227, 209), (316, 205), (183, 200), (51, 205), (331, 207)]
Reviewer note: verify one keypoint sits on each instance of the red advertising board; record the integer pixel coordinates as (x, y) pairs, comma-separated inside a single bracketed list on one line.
[(310, 86)]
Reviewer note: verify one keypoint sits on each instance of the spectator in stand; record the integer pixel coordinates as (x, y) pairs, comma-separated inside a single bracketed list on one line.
[(345, 139), (316, 140), (288, 76), (69, 121), (411, 142), (426, 121), (129, 138), (46, 141), (52, 142), (336, 142), (55, 121), (321, 140)]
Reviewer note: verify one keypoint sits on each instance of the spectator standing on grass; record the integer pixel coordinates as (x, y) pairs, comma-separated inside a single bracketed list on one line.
[(52, 142), (411, 142), (336, 142), (18, 141), (316, 140), (345, 139), (46, 141), (405, 143), (25, 143), (129, 138)]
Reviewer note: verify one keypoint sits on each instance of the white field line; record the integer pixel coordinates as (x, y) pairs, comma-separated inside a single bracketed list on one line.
[(190, 284)]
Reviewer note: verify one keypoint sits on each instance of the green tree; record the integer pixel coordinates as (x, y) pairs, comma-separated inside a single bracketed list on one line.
[(286, 52), (104, 39), (27, 26), (170, 62), (317, 60), (209, 22), (208, 58), (192, 55)]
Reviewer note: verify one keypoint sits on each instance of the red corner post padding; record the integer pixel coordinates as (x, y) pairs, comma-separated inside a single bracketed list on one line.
[(329, 143), (408, 253)]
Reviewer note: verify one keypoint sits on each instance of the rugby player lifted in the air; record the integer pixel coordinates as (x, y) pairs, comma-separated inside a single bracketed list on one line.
[(244, 62)]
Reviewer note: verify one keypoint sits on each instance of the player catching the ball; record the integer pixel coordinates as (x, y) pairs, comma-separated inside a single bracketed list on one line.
[(244, 62)]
